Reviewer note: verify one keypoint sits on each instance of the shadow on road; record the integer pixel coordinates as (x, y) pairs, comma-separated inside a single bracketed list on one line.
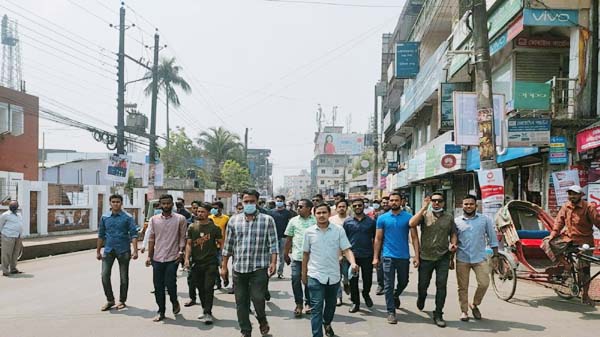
[(493, 326), (587, 312)]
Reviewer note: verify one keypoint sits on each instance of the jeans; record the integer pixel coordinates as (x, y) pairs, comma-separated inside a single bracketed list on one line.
[(441, 267), (366, 267), (203, 277), (164, 274), (107, 263), (281, 261), (482, 274), (380, 274), (393, 268), (219, 260), (250, 287), (344, 265), (297, 284), (321, 314)]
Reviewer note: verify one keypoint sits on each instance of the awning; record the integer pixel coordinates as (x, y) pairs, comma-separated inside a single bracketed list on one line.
[(511, 153)]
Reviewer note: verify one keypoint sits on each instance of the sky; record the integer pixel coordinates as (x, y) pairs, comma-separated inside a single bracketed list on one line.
[(257, 64)]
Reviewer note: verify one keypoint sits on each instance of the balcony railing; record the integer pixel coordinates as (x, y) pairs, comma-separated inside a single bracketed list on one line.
[(562, 102)]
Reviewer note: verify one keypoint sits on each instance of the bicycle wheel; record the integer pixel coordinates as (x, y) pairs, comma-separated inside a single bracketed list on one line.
[(566, 295), (504, 279)]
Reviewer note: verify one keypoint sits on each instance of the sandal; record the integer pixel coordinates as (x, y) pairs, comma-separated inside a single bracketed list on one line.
[(121, 305), (158, 318), (264, 328), (298, 312), (107, 306)]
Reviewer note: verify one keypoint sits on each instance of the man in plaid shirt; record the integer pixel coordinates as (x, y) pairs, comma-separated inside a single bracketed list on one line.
[(252, 241)]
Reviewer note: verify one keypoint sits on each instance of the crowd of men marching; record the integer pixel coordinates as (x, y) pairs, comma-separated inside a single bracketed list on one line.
[(327, 252)]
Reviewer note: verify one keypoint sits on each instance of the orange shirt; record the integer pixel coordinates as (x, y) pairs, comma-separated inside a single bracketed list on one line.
[(579, 220)]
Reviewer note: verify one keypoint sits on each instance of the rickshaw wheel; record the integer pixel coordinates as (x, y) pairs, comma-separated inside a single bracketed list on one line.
[(562, 294), (504, 279)]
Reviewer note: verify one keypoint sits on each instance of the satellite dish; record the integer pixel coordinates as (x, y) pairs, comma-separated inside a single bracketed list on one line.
[(364, 163), (398, 140)]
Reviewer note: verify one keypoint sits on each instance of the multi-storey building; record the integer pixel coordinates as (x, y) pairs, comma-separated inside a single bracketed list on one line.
[(261, 170), (542, 62), (297, 186)]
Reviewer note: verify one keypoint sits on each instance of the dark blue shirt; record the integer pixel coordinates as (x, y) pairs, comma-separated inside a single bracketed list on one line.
[(117, 231), (395, 234), (282, 218), (360, 233)]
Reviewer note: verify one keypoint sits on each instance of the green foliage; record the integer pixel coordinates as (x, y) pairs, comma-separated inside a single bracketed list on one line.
[(219, 145), (180, 156), (235, 177), (357, 168)]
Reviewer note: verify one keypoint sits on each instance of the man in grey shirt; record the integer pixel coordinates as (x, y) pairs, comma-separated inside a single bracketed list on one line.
[(320, 268)]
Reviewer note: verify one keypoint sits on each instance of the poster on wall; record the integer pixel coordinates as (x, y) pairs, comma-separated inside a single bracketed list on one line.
[(340, 143), (491, 183), (562, 180), (466, 129), (118, 168)]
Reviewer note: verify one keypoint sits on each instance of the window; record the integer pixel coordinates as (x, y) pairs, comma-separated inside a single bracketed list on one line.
[(12, 119), (322, 182), (336, 182), (322, 171), (428, 133), (336, 171), (337, 161), (321, 160)]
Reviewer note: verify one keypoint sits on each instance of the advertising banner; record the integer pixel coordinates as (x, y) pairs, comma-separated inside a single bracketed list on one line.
[(550, 17), (118, 168), (407, 59), (562, 180), (446, 107), (532, 95), (466, 128), (558, 150), (340, 143), (527, 132), (588, 139), (491, 183)]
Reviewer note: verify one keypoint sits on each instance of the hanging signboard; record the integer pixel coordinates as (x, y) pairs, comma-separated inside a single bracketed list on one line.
[(558, 150), (407, 59), (527, 132), (491, 183), (532, 95), (466, 129), (588, 139), (118, 168), (392, 166), (551, 17), (562, 180), (446, 108)]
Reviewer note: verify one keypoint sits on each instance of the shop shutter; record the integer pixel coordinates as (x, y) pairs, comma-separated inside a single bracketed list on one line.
[(537, 67)]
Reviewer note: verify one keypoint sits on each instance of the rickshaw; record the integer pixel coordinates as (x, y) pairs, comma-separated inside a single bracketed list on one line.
[(521, 228)]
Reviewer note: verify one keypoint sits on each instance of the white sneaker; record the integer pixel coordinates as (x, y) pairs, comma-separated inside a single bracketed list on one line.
[(201, 316), (208, 319)]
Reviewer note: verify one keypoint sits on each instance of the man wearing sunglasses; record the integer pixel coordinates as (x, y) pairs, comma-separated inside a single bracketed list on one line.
[(438, 243)]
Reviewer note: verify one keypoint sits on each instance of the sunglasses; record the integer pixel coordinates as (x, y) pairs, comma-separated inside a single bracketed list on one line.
[(300, 206), (357, 206), (437, 200)]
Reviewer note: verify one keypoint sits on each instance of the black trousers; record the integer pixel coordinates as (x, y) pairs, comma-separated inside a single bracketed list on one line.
[(366, 267), (441, 267), (203, 279), (250, 287)]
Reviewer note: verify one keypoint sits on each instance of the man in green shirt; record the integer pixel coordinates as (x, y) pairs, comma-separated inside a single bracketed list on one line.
[(438, 243), (295, 242), (201, 258)]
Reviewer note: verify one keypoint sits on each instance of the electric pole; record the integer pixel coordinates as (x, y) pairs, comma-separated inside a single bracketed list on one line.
[(483, 87), (121, 85), (246, 146), (375, 145), (152, 154)]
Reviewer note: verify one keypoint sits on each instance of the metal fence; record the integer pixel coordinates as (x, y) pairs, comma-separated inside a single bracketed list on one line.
[(563, 101)]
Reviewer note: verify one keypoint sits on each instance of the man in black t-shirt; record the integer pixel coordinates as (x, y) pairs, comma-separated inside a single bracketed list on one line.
[(201, 258)]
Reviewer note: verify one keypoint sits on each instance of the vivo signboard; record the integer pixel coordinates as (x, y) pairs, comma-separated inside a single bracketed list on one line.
[(550, 17)]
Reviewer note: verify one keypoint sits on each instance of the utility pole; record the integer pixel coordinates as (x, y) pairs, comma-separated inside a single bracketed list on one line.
[(246, 146), (152, 153), (121, 85), (375, 145), (594, 60), (483, 87)]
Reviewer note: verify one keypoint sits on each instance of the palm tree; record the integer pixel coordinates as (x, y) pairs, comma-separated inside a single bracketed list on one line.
[(219, 145), (168, 80)]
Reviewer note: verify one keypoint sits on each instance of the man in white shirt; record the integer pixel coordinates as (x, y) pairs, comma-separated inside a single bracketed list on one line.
[(11, 229)]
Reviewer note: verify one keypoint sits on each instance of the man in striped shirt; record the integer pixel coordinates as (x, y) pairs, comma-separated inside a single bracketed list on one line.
[(252, 241)]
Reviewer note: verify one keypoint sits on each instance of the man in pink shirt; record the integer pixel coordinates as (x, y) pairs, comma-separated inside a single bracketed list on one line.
[(166, 246)]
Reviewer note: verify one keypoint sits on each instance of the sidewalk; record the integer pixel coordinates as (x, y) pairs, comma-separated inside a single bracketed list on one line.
[(57, 244)]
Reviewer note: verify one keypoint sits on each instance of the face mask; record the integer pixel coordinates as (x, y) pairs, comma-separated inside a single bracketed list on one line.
[(250, 208), (375, 206), (157, 211), (13, 208), (214, 211), (279, 204)]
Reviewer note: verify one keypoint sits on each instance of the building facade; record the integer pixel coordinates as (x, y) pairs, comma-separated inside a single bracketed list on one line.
[(261, 170), (297, 186)]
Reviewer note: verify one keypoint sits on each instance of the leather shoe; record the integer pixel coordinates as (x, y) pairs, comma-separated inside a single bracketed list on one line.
[(439, 321), (354, 308), (368, 301), (420, 303)]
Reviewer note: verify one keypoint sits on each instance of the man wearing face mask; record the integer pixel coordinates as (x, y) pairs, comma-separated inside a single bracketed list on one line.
[(252, 241), (11, 229), (438, 243), (474, 230), (221, 220), (282, 217)]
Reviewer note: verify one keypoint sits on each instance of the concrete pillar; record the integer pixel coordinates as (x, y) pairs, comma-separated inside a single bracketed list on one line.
[(23, 189), (93, 204), (42, 188)]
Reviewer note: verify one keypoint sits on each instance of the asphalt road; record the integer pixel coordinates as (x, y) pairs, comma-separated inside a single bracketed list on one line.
[(61, 296)]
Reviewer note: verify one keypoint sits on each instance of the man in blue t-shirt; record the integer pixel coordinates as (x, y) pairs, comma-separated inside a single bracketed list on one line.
[(392, 233)]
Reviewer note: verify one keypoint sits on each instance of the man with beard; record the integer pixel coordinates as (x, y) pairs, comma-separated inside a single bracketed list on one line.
[(201, 250), (391, 240), (474, 231), (579, 217), (360, 230), (166, 245), (438, 243)]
